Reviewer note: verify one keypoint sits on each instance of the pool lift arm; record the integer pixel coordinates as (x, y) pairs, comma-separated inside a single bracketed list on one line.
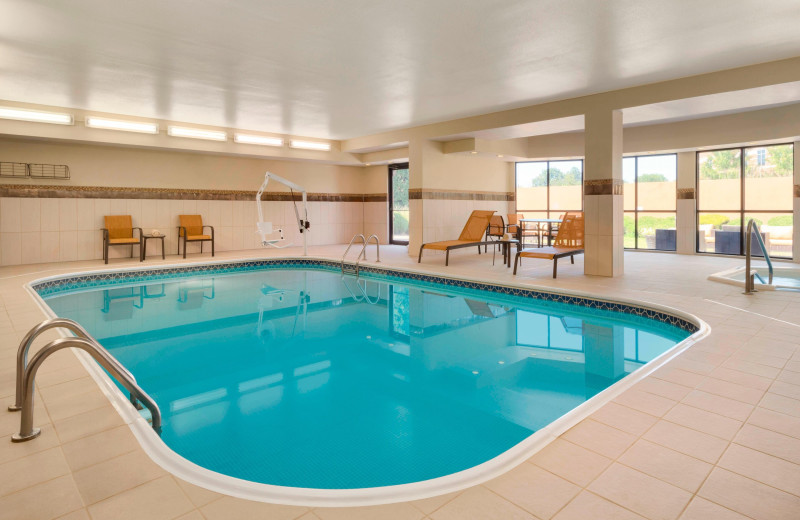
[(265, 228)]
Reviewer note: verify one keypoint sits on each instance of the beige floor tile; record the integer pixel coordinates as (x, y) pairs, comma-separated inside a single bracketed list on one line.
[(61, 407), (229, 507), (624, 418), (785, 389), (590, 506), (770, 442), (681, 376), (648, 496), (663, 388), (80, 514), (31, 470), (535, 490), (794, 366), (741, 378), (719, 405), (665, 464), (116, 475), (749, 497), (401, 511), (69, 389), (100, 447), (751, 368), (598, 437), (159, 499), (645, 402), (47, 500), (15, 450), (775, 421), (193, 515), (782, 404), (687, 441), (309, 516), (570, 461), (759, 466), (702, 509), (478, 503), (706, 422), (734, 391), (429, 505), (57, 377), (89, 423), (198, 495)]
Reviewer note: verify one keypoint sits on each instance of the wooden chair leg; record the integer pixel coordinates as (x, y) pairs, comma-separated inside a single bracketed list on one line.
[(212, 247), (516, 262), (447, 256), (105, 251), (555, 267), (419, 260), (201, 247), (184, 247)]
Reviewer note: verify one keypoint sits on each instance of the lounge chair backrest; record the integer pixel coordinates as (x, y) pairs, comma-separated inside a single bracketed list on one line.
[(119, 226), (476, 226), (497, 226), (570, 231), (192, 223)]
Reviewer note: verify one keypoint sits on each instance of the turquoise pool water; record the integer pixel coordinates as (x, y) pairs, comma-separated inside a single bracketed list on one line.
[(303, 378)]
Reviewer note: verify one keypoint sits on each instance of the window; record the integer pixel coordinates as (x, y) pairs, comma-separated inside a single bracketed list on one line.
[(547, 189), (650, 195), (739, 184), (398, 204)]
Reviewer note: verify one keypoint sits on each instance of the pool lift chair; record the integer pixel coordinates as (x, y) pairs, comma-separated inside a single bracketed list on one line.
[(266, 230)]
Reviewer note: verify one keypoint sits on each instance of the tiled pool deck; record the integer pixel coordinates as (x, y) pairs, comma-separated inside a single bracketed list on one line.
[(714, 434)]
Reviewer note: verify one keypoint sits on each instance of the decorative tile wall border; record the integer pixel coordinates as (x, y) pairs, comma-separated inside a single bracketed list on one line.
[(428, 194), (602, 187), (797, 190), (104, 279), (686, 193), (102, 192)]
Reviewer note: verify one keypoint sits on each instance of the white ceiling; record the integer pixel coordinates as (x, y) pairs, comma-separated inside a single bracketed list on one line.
[(346, 68)]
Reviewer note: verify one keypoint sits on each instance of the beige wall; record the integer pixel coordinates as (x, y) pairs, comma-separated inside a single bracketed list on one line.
[(114, 166)]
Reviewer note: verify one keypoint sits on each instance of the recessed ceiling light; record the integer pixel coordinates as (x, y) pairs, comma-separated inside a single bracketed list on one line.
[(257, 139), (195, 133), (368, 164), (473, 152), (500, 155), (35, 116), (310, 145), (127, 126)]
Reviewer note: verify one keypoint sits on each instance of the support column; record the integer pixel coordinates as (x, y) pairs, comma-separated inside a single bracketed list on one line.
[(416, 160), (687, 203), (602, 188), (796, 221)]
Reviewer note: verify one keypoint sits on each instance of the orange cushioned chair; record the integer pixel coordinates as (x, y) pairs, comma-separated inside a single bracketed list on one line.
[(191, 230), (119, 232), (471, 235), (569, 242)]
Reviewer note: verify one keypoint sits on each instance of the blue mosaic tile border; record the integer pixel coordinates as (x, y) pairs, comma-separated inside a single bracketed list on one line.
[(78, 282)]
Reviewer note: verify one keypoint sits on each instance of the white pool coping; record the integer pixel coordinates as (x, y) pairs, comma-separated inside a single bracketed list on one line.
[(730, 277), (180, 467)]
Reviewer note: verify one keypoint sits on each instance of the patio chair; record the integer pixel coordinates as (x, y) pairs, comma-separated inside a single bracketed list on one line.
[(191, 230), (568, 243), (471, 236), (495, 231), (528, 230), (119, 232)]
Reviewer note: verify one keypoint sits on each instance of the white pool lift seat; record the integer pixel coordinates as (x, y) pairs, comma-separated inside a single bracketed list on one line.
[(267, 231)]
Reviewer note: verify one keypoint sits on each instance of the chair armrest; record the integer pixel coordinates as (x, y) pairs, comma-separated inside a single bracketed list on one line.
[(140, 233), (179, 231), (212, 230), (105, 233)]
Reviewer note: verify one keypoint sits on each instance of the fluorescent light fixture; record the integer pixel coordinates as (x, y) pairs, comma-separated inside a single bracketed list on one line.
[(35, 116), (195, 133), (127, 126), (310, 145), (257, 139)]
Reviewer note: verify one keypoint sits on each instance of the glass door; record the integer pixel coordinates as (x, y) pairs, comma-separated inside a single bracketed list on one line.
[(398, 204)]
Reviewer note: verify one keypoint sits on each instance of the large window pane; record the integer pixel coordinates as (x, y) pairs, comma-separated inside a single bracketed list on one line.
[(629, 223), (768, 178), (399, 201), (656, 231), (532, 186), (719, 179), (566, 187), (776, 229), (719, 233), (629, 182), (656, 177)]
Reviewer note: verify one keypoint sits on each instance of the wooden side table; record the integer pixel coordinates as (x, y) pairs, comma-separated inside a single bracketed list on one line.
[(143, 249)]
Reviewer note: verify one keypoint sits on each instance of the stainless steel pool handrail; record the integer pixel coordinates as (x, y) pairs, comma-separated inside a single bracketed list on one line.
[(749, 278), (363, 241), (101, 355), (27, 342), (363, 254), (363, 290)]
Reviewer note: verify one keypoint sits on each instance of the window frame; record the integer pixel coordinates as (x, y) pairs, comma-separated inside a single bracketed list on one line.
[(390, 198), (636, 210), (742, 211)]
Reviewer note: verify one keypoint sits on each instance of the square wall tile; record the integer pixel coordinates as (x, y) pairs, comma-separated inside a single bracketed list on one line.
[(67, 215), (31, 247), (10, 215), (50, 214), (30, 214), (10, 249), (85, 212)]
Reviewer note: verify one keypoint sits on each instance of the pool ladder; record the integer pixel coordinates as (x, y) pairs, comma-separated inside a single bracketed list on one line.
[(26, 373), (362, 254), (750, 275)]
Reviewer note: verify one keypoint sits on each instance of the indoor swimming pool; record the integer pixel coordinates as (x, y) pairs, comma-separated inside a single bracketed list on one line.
[(291, 374)]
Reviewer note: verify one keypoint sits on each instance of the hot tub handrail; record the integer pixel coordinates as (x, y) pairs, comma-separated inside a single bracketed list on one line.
[(749, 279), (27, 342), (102, 356)]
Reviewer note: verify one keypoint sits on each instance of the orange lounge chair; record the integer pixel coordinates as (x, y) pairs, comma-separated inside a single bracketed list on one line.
[(191, 230), (119, 232), (471, 236), (568, 243)]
